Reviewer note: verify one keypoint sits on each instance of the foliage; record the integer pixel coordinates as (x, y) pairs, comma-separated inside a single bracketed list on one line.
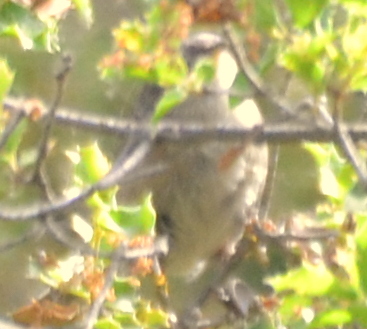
[(328, 289), (322, 44), (36, 26)]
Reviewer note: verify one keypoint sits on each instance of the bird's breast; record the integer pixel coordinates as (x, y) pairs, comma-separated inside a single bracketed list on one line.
[(203, 203)]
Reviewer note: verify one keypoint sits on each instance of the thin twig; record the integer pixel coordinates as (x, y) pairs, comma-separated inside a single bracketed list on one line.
[(31, 234), (10, 127), (39, 210), (344, 140), (30, 212), (269, 183), (58, 233), (42, 150), (38, 174), (309, 234), (351, 153), (110, 274), (228, 266), (251, 75), (160, 246)]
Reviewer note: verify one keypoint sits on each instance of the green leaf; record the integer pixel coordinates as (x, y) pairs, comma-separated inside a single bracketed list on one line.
[(93, 165), (48, 40), (104, 220), (136, 220), (291, 304), (265, 14), (20, 23), (170, 99), (359, 313), (107, 323), (127, 320), (337, 178), (331, 318), (307, 280), (169, 71), (157, 319), (141, 51), (124, 288), (151, 317), (130, 36), (359, 83), (205, 70), (307, 67), (304, 12), (131, 71), (6, 78), (308, 56)]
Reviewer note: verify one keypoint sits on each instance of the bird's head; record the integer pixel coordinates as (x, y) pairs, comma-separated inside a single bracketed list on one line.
[(204, 45)]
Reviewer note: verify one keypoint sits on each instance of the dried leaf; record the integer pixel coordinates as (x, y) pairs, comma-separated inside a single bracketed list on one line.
[(46, 313), (215, 11)]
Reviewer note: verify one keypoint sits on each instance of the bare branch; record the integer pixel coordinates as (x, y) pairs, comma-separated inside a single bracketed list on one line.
[(308, 234), (61, 235), (285, 132), (110, 274), (351, 153), (344, 140), (10, 127), (60, 78), (120, 253), (251, 75), (31, 234), (39, 210), (269, 183)]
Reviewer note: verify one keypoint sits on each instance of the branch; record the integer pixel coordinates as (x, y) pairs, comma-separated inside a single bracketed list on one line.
[(273, 133), (49, 208), (269, 183), (31, 235), (254, 79), (351, 153), (60, 79), (109, 278), (10, 127)]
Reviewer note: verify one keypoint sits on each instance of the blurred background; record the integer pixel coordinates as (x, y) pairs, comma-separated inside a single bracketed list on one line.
[(295, 186)]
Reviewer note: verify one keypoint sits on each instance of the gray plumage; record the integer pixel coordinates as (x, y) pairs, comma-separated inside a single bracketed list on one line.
[(207, 191)]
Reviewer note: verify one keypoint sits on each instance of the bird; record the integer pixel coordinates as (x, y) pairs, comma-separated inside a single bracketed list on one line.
[(207, 191)]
